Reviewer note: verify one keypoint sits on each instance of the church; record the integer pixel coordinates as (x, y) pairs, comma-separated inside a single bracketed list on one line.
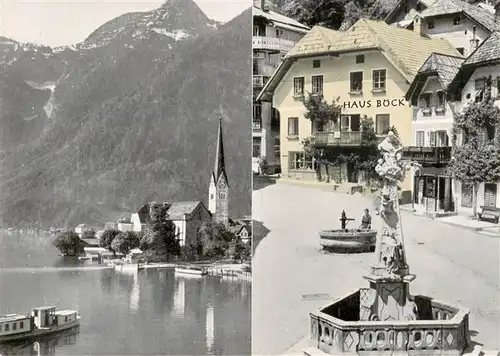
[(218, 191)]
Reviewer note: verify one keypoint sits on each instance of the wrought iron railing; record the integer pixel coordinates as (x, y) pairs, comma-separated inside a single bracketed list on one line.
[(338, 138)]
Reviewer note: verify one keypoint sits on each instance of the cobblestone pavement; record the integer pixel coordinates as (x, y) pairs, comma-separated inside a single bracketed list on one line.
[(452, 264)]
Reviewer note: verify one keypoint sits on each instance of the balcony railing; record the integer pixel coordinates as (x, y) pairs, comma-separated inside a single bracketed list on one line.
[(428, 155), (260, 80), (272, 43), (338, 138)]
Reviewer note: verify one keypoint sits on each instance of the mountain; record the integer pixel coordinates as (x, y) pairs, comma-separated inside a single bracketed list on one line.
[(129, 115)]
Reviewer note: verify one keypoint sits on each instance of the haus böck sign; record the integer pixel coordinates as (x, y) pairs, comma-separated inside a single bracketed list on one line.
[(378, 103)]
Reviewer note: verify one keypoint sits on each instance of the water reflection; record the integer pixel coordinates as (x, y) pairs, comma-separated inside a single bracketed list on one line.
[(46, 346)]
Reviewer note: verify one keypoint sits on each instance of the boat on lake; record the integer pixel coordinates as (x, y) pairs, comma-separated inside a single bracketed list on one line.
[(191, 270), (42, 321)]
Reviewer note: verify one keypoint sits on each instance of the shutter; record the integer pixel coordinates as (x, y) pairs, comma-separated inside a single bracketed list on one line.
[(490, 195)]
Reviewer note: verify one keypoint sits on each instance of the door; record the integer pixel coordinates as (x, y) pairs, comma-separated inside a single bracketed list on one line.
[(490, 194)]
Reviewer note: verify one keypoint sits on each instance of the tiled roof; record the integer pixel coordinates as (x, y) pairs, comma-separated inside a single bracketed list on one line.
[(479, 14), (406, 48), (446, 67), (282, 19), (488, 50), (178, 209)]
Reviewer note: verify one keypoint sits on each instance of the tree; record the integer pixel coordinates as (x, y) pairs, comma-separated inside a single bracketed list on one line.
[(215, 239), (107, 239), (69, 243), (235, 249), (476, 160), (125, 241), (160, 237)]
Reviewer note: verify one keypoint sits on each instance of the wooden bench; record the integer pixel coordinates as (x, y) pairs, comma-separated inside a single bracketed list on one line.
[(489, 211)]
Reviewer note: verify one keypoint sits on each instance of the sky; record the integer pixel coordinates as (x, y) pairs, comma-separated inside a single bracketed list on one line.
[(66, 22)]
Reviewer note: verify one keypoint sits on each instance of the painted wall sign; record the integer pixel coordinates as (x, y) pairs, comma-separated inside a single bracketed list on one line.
[(378, 103)]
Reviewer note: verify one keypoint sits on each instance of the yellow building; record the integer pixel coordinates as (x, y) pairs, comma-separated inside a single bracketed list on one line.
[(368, 68)]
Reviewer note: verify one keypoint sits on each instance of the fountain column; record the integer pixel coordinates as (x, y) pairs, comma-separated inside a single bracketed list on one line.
[(389, 277)]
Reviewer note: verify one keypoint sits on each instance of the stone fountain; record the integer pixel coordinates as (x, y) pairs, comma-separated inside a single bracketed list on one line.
[(384, 319)]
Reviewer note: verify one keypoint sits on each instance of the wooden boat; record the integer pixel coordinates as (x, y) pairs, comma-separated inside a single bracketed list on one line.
[(191, 270), (41, 322)]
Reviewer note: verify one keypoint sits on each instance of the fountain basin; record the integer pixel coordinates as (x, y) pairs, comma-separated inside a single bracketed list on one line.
[(348, 239), (441, 329)]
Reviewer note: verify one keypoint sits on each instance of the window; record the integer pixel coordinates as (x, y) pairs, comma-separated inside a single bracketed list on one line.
[(14, 326), (356, 81), (382, 124), (441, 99), (65, 319), (222, 195), (257, 31), (257, 116), (379, 79), (316, 63), (430, 24), (279, 33), (256, 147), (425, 100), (456, 21), (479, 86), (301, 161), (360, 58), (0, 327), (7, 327), (432, 139), (420, 139), (317, 84), (298, 86), (461, 50), (21, 325), (419, 6), (293, 126), (345, 123)]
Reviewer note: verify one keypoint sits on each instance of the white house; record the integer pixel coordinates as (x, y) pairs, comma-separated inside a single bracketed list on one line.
[(432, 127), (470, 85)]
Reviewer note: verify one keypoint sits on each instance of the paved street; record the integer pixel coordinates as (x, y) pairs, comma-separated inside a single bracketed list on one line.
[(452, 264)]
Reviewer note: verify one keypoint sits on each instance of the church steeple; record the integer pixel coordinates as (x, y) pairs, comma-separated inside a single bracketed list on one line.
[(219, 184), (220, 163)]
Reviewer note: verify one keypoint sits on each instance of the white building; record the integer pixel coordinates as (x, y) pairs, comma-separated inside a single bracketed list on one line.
[(470, 85), (432, 127), (273, 36), (462, 24)]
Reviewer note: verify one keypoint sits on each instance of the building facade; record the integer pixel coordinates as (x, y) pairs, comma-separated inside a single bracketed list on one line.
[(368, 68), (478, 74), (432, 133), (464, 25), (218, 190), (273, 36)]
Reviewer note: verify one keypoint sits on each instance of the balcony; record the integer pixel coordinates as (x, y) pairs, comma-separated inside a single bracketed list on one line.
[(428, 155), (338, 138), (272, 44), (260, 80)]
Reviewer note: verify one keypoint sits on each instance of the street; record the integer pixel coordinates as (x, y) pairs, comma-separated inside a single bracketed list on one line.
[(452, 264)]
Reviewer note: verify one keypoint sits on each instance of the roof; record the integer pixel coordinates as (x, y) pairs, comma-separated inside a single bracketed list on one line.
[(488, 51), (65, 312), (480, 15), (485, 54), (220, 161), (406, 50), (46, 307), (179, 209), (145, 211), (80, 226), (12, 317), (442, 66), (280, 19), (400, 5)]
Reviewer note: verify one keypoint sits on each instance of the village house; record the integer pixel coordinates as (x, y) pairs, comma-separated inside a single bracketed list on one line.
[(273, 36), (125, 224), (469, 85), (432, 132), (186, 216), (462, 24), (243, 231), (369, 68)]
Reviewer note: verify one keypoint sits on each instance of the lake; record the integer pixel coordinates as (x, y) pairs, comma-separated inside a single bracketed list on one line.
[(141, 313)]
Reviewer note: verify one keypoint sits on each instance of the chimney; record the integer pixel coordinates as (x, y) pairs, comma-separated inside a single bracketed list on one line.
[(418, 26), (474, 42)]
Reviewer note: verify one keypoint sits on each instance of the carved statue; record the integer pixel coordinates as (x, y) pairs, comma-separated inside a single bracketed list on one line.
[(392, 169)]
